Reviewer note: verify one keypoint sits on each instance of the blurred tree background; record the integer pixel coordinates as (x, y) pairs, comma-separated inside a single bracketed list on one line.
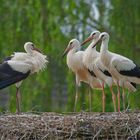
[(51, 24)]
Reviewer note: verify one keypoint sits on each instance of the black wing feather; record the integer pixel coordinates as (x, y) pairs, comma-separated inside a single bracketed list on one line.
[(134, 85), (135, 72), (91, 73), (107, 73), (7, 58), (8, 76)]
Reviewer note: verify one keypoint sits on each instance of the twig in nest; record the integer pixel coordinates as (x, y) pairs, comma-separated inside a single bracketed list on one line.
[(97, 133)]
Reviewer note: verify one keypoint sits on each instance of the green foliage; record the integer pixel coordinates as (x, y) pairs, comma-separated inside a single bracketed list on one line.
[(50, 25)]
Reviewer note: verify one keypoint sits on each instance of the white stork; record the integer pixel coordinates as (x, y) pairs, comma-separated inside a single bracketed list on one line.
[(17, 67), (92, 61), (122, 69), (75, 63)]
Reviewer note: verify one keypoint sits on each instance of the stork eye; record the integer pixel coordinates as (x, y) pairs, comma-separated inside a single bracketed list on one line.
[(102, 36), (93, 34), (71, 43), (32, 45)]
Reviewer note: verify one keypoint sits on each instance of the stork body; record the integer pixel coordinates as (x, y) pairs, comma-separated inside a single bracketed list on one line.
[(75, 63), (16, 68), (121, 68)]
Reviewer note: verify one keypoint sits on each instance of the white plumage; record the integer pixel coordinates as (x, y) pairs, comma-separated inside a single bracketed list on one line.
[(75, 63), (92, 61), (116, 65), (31, 60), (122, 63), (20, 65)]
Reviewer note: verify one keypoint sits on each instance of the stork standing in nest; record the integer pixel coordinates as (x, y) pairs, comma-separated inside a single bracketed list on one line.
[(122, 69), (82, 74), (92, 61), (17, 67)]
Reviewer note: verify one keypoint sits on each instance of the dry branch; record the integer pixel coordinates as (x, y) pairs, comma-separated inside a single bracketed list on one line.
[(94, 126)]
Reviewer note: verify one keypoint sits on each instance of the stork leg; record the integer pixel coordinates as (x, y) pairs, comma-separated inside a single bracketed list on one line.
[(76, 97), (103, 98), (113, 98), (123, 96), (18, 99), (118, 95), (89, 95)]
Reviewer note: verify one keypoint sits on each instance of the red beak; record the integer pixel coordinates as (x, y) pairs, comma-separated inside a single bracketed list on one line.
[(36, 49), (66, 50), (96, 42), (87, 40)]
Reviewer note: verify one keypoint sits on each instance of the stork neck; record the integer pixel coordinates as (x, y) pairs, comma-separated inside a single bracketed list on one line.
[(72, 51), (104, 46), (28, 50)]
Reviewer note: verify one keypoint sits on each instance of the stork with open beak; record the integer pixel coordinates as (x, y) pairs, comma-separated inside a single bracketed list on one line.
[(17, 67), (75, 63), (122, 69), (93, 62)]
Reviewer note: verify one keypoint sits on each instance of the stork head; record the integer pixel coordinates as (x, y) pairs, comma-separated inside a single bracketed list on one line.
[(104, 36), (73, 44), (30, 47), (93, 36)]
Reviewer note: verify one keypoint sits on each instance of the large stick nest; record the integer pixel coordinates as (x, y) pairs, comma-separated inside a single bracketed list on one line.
[(70, 126)]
